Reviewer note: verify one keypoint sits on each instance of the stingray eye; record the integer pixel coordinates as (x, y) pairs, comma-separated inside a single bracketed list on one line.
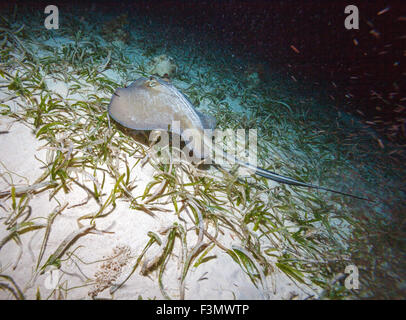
[(166, 77), (151, 82)]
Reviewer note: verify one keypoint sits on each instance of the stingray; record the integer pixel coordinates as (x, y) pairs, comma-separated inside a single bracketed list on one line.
[(154, 104)]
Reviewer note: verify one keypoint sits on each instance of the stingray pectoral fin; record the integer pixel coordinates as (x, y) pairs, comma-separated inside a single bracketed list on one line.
[(286, 180), (208, 122)]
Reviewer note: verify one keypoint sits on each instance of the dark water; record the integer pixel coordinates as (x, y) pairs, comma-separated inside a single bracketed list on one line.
[(301, 51), (360, 71)]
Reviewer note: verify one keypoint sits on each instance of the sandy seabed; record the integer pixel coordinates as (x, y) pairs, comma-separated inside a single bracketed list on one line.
[(105, 255), (59, 256)]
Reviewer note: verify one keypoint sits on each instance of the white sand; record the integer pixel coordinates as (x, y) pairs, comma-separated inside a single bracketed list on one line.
[(219, 278), (223, 278)]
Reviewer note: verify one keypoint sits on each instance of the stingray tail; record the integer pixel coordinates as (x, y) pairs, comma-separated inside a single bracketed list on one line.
[(286, 180)]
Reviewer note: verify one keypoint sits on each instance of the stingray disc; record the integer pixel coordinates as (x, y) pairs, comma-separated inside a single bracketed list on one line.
[(154, 104)]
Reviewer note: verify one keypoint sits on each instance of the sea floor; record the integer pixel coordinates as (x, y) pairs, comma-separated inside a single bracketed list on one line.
[(88, 212)]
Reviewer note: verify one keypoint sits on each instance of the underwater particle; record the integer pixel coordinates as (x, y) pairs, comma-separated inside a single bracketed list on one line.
[(348, 95), (383, 11), (381, 143), (355, 41), (294, 48), (370, 24), (375, 33), (399, 109)]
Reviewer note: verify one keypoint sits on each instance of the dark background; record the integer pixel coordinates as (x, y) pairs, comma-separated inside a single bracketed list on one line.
[(367, 79)]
